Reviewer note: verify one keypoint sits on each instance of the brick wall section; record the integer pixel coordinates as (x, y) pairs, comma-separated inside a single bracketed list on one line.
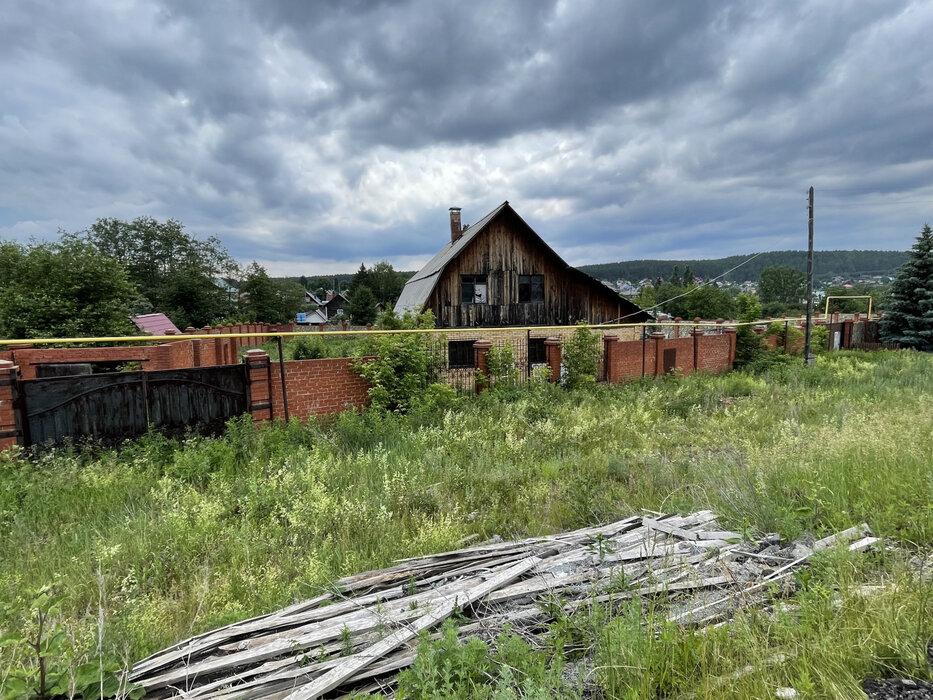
[(8, 425), (317, 387), (628, 360), (717, 352), (683, 348)]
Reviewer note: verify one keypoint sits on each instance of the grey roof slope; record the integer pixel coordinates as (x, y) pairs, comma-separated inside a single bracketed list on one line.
[(419, 287)]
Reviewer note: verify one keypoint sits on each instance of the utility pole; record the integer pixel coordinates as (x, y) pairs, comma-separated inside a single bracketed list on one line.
[(808, 357)]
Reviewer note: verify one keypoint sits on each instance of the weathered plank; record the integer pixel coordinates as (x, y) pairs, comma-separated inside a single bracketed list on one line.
[(335, 677)]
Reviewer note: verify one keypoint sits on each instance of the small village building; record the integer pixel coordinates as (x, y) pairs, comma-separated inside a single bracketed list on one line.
[(499, 272), (155, 324)]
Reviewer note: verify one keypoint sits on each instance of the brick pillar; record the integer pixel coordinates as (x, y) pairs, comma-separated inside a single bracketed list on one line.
[(658, 339), (343, 323), (219, 347), (10, 425), (320, 328), (552, 354), (731, 332), (610, 360), (191, 330), (697, 333), (480, 350), (846, 334), (835, 317), (233, 343), (369, 326), (260, 386), (856, 317), (677, 321)]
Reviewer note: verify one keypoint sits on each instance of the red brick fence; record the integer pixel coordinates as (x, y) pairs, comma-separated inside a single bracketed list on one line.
[(303, 388)]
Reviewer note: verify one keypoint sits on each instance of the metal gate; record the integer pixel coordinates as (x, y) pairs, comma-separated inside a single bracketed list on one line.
[(109, 408)]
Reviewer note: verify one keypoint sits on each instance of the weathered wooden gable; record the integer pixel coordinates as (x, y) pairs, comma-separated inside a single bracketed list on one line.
[(503, 251)]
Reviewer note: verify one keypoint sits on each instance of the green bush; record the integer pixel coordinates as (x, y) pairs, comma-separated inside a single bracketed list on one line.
[(500, 363), (398, 367), (581, 358)]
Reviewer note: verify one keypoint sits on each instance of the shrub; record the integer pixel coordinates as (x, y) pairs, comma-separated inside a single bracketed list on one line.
[(749, 346), (306, 348), (398, 367), (500, 362), (581, 358)]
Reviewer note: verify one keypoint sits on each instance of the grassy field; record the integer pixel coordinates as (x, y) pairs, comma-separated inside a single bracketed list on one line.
[(163, 539)]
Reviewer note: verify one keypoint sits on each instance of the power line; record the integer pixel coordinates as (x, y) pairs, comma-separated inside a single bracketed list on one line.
[(689, 291)]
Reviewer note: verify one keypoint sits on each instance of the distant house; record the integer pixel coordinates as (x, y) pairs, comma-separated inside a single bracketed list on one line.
[(154, 324), (499, 272), (334, 303), (312, 317), (228, 286)]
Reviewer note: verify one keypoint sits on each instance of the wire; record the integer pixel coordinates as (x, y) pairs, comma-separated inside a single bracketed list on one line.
[(689, 291)]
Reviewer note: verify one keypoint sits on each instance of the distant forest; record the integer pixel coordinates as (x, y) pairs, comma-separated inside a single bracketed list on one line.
[(826, 265)]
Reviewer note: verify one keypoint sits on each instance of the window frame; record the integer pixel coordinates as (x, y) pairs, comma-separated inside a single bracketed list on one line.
[(464, 351), (537, 351), (531, 283), (472, 281)]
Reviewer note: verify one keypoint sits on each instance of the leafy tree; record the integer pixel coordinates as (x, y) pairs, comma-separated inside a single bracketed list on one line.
[(782, 287), (269, 300), (362, 306), (174, 271), (708, 301), (677, 299), (879, 297), (749, 346), (909, 316), (382, 280), (63, 289)]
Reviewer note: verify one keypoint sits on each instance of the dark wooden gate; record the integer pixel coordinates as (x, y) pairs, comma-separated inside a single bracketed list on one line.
[(108, 408)]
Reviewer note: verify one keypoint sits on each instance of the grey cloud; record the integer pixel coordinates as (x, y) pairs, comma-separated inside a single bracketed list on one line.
[(655, 126)]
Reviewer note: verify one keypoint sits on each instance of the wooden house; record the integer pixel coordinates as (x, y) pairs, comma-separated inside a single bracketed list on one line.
[(499, 272)]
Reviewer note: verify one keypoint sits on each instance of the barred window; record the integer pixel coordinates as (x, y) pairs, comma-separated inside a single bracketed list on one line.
[(460, 353), (536, 351)]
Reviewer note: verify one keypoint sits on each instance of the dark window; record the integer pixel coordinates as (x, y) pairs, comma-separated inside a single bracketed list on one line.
[(536, 351), (472, 289), (460, 353), (530, 289)]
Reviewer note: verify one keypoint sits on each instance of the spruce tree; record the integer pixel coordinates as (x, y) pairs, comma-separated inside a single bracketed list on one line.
[(908, 319)]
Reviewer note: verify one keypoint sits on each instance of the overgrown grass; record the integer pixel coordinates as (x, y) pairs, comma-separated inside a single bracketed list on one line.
[(169, 538)]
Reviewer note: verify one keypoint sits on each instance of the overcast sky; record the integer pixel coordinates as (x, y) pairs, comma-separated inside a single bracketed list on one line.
[(312, 136)]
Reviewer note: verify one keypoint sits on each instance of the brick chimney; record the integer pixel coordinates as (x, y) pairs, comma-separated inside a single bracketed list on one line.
[(455, 229)]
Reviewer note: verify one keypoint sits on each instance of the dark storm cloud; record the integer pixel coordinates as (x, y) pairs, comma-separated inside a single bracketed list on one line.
[(327, 133)]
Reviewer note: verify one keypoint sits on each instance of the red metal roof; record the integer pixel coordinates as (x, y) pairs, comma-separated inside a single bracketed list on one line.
[(155, 324)]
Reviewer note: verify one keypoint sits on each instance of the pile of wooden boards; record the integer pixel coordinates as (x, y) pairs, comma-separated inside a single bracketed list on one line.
[(359, 635)]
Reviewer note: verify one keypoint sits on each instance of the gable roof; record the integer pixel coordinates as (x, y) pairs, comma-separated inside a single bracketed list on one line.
[(419, 287), (156, 324), (334, 298)]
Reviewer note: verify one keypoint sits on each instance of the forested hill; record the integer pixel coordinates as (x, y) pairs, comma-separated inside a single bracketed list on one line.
[(826, 265)]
